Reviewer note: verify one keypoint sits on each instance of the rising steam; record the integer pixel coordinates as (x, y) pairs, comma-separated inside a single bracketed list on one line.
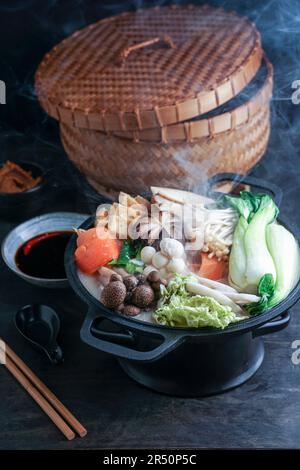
[(29, 28)]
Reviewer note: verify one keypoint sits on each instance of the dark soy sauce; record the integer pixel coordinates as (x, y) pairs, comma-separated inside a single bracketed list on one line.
[(43, 255)]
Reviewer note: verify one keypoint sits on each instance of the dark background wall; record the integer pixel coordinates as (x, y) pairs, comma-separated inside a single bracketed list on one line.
[(29, 28)]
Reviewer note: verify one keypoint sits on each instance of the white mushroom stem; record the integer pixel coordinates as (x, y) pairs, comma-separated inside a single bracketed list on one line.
[(243, 299), (148, 270), (216, 285), (198, 289), (233, 294), (219, 225)]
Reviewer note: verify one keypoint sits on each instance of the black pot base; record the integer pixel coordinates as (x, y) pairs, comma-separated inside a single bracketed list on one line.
[(198, 383)]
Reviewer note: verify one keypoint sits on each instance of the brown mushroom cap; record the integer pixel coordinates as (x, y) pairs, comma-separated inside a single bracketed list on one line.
[(113, 294), (141, 278), (154, 276), (128, 297), (142, 296), (156, 286), (130, 282), (131, 310), (115, 277)]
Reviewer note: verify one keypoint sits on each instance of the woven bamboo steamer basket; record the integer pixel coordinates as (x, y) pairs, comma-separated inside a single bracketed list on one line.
[(150, 68), (225, 118), (112, 164)]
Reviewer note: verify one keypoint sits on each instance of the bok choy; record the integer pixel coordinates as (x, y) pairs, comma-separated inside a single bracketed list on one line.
[(250, 259), (285, 252), (259, 261), (265, 257)]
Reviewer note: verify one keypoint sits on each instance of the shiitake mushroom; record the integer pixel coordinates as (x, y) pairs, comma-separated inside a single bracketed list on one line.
[(113, 295), (130, 282), (154, 276), (115, 277), (131, 310), (143, 296), (141, 278), (132, 291)]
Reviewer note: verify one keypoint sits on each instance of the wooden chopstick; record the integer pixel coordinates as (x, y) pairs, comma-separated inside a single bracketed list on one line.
[(40, 400), (42, 389)]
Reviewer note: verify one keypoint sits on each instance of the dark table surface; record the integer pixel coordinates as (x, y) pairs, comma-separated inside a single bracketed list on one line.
[(118, 413)]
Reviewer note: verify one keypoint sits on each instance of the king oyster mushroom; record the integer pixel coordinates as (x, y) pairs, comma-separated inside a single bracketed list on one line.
[(105, 275)]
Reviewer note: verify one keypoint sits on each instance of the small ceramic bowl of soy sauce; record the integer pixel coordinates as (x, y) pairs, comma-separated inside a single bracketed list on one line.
[(34, 250), (17, 206)]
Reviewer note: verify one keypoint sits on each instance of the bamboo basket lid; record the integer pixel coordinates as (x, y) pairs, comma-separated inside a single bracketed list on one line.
[(228, 117), (149, 68)]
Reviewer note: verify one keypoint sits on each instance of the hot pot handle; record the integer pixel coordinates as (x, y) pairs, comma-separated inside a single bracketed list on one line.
[(170, 340), (254, 182), (275, 325)]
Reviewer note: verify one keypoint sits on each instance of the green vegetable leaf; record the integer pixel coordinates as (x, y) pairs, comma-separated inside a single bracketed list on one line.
[(242, 206), (265, 290), (266, 286), (267, 202), (130, 268), (176, 286), (247, 204), (134, 266), (252, 199), (195, 311), (130, 257)]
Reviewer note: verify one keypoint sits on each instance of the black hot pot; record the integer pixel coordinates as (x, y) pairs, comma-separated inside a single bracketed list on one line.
[(182, 361)]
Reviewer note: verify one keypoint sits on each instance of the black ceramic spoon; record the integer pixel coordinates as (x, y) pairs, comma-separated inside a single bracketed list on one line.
[(40, 324)]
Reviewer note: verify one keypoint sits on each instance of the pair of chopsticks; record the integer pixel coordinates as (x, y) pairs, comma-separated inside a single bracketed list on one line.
[(41, 394)]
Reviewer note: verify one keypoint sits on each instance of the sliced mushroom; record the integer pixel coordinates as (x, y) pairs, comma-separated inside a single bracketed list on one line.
[(179, 196)]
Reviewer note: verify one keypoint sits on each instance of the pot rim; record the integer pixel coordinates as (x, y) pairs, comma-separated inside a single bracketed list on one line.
[(242, 326)]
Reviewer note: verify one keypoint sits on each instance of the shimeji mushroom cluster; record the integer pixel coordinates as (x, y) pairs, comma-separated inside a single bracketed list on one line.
[(218, 227), (170, 258)]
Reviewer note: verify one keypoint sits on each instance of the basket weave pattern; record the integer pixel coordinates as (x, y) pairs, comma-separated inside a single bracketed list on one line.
[(84, 83), (209, 127), (112, 164)]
